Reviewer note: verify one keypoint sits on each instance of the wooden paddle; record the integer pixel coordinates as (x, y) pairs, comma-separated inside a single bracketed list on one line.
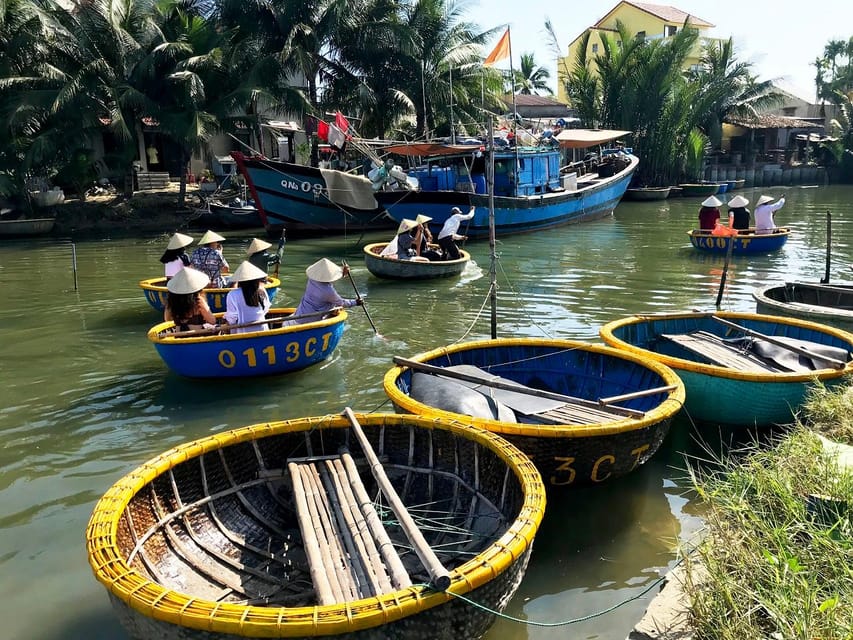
[(728, 259), (838, 364), (280, 252), (358, 297), (227, 327), (515, 387)]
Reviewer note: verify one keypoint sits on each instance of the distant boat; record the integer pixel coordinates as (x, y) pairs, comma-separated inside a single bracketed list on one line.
[(26, 227), (227, 216), (739, 369), (698, 190), (647, 193), (538, 197), (310, 199), (829, 304), (392, 268), (745, 242)]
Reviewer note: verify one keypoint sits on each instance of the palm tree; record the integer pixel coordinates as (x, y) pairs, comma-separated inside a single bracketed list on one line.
[(530, 78)]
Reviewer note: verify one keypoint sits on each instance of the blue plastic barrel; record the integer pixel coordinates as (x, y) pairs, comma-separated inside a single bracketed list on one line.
[(479, 182)]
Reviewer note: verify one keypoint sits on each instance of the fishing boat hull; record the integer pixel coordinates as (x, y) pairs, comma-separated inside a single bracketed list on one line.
[(257, 353), (698, 190), (824, 303), (227, 217), (156, 293), (204, 541), (646, 194), (593, 199), (566, 454), (26, 227), (744, 243), (391, 268), (723, 395), (300, 198)]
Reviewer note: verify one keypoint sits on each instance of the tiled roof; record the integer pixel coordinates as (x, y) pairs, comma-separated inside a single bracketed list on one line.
[(670, 14), (770, 121), (530, 100)]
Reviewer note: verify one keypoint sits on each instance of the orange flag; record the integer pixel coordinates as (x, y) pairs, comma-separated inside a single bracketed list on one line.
[(500, 52)]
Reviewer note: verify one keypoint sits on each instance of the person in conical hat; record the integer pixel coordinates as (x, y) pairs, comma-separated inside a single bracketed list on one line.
[(186, 303), (764, 210), (709, 214), (738, 213), (208, 259), (258, 256), (406, 240), (320, 295), (249, 302), (175, 257)]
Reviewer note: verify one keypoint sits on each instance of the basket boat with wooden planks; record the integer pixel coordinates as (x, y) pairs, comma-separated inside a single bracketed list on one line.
[(739, 369), (830, 304), (353, 526)]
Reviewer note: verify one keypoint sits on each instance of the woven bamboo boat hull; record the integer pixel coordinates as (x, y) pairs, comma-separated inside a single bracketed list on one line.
[(647, 193), (26, 227), (566, 455), (828, 304), (391, 268), (203, 542), (698, 190), (744, 243), (721, 395), (257, 353), (155, 293)]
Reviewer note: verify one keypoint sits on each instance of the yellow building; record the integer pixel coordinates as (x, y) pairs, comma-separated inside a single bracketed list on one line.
[(647, 20)]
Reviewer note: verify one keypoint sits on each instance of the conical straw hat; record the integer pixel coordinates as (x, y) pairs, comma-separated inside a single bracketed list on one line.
[(247, 271), (324, 270), (256, 246), (422, 219), (178, 241), (188, 280), (738, 201), (712, 201), (406, 225), (764, 200), (210, 236)]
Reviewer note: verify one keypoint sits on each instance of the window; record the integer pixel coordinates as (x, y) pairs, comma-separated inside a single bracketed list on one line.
[(595, 48), (641, 35), (669, 31)]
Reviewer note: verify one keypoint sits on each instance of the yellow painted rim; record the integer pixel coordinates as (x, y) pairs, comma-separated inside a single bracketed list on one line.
[(368, 250), (666, 409), (607, 334), (151, 284)]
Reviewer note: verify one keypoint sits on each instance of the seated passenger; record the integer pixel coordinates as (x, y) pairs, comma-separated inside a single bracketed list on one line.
[(738, 213), (208, 259), (258, 256), (319, 294), (186, 302), (709, 213), (175, 257), (423, 239), (405, 240), (249, 302)]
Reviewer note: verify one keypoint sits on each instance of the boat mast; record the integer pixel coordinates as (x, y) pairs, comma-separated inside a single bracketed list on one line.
[(514, 115), (493, 286)]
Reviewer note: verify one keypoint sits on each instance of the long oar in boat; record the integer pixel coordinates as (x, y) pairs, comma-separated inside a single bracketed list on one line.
[(728, 259), (358, 297), (221, 328)]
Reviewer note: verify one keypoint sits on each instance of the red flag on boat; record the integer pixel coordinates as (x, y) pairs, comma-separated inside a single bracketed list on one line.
[(341, 122), (500, 52), (323, 130)]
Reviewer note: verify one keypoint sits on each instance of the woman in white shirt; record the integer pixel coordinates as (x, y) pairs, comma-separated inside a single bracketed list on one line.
[(249, 302), (175, 257)]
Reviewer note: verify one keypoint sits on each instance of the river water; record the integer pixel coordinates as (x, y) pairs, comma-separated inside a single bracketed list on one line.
[(84, 397)]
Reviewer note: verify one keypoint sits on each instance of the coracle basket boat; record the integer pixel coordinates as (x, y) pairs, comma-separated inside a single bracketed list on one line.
[(26, 227), (155, 293), (745, 242), (392, 268), (584, 413), (281, 530), (739, 369), (830, 304)]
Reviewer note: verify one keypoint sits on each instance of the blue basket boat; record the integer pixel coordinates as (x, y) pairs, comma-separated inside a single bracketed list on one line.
[(746, 241), (588, 413), (276, 350), (723, 360), (156, 293)]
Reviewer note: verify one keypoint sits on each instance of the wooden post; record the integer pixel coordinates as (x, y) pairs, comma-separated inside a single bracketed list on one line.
[(825, 279), (439, 575)]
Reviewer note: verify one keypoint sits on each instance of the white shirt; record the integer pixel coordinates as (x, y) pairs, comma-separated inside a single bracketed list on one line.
[(390, 249), (451, 225), (173, 267), (764, 222), (238, 312)]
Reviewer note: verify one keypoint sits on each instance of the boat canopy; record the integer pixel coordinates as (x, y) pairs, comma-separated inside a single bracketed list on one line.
[(429, 149), (581, 138)]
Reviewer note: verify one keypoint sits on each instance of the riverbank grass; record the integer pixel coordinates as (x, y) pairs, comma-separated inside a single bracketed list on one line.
[(778, 558)]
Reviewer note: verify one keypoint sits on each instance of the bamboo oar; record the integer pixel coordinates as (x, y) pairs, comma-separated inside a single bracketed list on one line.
[(227, 327), (358, 297), (506, 386), (439, 575), (729, 249), (780, 343)]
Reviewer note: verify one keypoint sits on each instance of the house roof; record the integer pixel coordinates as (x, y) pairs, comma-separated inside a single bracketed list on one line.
[(531, 100), (669, 13), (770, 121)]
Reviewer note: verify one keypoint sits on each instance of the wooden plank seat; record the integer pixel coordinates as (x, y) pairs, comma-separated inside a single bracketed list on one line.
[(350, 555), (719, 352), (573, 413)]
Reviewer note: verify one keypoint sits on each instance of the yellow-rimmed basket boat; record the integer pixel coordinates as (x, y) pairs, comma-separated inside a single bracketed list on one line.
[(732, 375), (211, 539), (155, 293), (590, 413)]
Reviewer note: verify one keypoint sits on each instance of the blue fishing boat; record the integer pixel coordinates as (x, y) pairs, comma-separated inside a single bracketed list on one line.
[(156, 293), (745, 242), (739, 369), (584, 413), (278, 349), (310, 199), (536, 195)]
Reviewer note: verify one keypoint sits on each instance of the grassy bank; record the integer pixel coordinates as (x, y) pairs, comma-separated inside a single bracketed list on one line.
[(778, 557)]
